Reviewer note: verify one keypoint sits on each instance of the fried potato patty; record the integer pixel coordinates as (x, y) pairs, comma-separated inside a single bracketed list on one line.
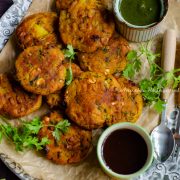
[(94, 100), (15, 102), (109, 59), (131, 109), (56, 99), (76, 71), (38, 29), (84, 27), (89, 98), (66, 4), (72, 147), (63, 4), (40, 70)]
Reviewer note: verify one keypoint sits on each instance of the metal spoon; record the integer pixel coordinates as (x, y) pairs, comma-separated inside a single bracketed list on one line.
[(162, 136)]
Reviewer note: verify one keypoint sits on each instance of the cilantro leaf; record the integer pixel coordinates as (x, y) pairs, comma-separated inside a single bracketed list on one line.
[(129, 71), (176, 82), (151, 89), (137, 65), (63, 125), (30, 142), (169, 77), (33, 126), (159, 105), (133, 66), (44, 141), (153, 70), (69, 52), (131, 55), (69, 76), (151, 57), (60, 128), (56, 134)]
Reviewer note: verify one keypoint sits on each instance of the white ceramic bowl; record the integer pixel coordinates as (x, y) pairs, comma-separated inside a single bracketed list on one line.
[(141, 131), (138, 33)]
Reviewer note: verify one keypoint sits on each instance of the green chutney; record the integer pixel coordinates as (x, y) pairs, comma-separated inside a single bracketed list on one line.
[(140, 12)]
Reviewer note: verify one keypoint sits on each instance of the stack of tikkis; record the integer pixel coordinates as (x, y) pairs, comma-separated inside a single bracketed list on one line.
[(96, 97)]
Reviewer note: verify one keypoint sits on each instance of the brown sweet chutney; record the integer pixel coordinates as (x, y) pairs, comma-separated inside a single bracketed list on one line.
[(124, 151)]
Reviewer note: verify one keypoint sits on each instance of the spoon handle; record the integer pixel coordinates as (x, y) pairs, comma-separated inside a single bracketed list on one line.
[(163, 115), (168, 55)]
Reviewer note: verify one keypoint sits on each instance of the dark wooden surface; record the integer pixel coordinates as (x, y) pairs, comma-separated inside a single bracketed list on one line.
[(5, 173), (4, 5)]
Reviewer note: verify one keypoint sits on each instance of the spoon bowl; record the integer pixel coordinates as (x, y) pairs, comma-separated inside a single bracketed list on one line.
[(163, 141)]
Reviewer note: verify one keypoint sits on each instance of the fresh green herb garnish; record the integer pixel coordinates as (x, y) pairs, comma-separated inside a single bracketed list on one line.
[(133, 66), (159, 105), (25, 136), (70, 54), (158, 79), (69, 75), (151, 91), (60, 128)]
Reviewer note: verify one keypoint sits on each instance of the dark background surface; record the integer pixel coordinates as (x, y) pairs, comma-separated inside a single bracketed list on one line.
[(4, 5), (4, 171)]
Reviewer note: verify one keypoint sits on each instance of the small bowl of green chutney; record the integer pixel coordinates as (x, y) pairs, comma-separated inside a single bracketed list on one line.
[(139, 20)]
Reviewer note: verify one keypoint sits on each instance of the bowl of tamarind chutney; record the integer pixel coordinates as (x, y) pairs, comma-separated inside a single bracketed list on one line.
[(125, 150)]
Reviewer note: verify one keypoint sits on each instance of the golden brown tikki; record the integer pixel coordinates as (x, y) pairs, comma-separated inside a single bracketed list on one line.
[(130, 96), (85, 26), (76, 71), (89, 99), (94, 100), (5, 88), (72, 147), (109, 59), (57, 99), (63, 4), (40, 69), (15, 102), (38, 29), (66, 4)]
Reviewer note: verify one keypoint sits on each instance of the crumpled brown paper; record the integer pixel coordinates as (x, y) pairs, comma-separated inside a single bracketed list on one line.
[(35, 163)]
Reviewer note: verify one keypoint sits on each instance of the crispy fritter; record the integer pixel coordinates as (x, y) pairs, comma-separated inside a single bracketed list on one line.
[(40, 70), (38, 29), (94, 100), (5, 88), (56, 99), (89, 98), (63, 4), (109, 59), (15, 102), (72, 147), (75, 69), (132, 106), (85, 26), (66, 4)]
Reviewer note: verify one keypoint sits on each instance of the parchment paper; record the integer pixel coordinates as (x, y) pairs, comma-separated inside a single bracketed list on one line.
[(35, 163)]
